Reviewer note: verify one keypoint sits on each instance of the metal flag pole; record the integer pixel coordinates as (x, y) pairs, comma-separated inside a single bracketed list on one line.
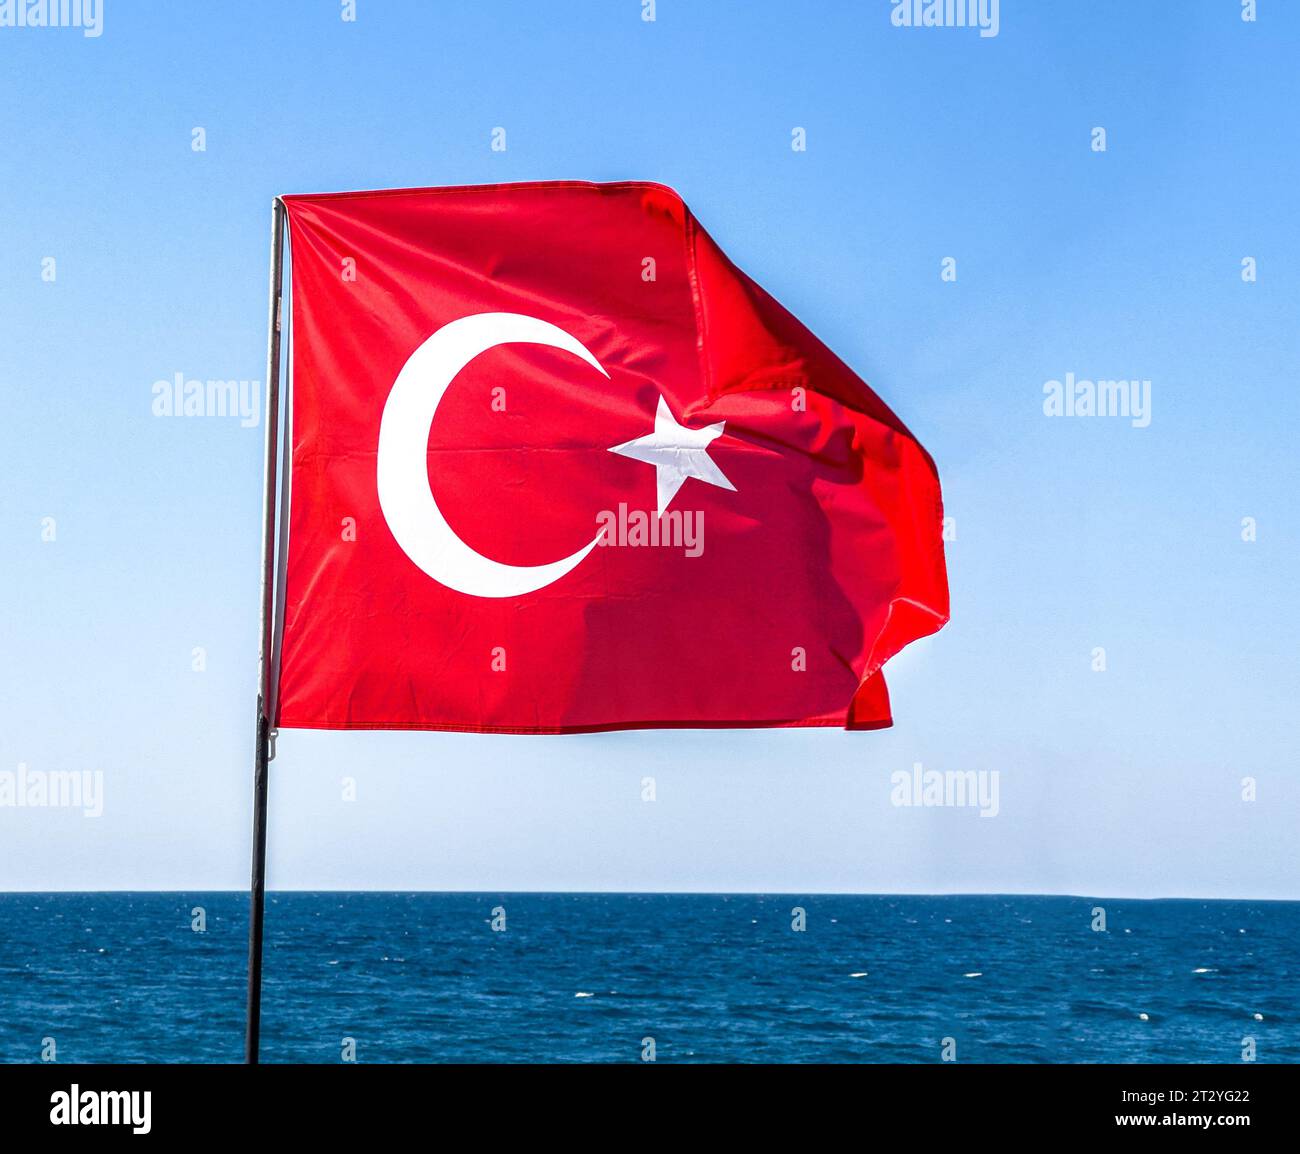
[(262, 752)]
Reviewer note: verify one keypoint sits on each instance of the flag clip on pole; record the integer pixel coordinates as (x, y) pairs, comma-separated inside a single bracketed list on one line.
[(262, 750)]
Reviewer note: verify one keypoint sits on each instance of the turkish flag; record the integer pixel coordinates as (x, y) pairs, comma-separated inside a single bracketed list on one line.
[(558, 465)]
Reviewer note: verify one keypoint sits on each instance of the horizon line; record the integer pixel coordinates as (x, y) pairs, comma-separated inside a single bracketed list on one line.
[(682, 893)]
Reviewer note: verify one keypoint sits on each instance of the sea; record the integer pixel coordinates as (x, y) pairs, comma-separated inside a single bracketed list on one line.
[(587, 977)]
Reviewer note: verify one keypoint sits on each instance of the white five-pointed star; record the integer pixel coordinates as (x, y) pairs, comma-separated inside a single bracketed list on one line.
[(676, 452)]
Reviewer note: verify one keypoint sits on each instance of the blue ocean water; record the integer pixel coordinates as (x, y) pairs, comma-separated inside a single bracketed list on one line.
[(587, 977)]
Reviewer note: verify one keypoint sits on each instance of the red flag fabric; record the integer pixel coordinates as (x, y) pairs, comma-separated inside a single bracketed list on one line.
[(558, 466)]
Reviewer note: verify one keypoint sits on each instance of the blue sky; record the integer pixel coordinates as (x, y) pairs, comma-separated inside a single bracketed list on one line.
[(1071, 533)]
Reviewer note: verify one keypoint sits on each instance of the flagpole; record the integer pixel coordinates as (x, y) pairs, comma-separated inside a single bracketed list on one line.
[(261, 755)]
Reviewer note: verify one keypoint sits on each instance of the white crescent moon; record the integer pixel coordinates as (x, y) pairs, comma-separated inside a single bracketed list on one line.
[(402, 469)]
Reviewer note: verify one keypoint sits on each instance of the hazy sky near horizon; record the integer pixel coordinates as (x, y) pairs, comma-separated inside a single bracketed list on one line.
[(1072, 534)]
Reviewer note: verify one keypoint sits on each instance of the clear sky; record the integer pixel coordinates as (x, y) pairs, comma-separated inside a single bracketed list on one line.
[(922, 144)]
